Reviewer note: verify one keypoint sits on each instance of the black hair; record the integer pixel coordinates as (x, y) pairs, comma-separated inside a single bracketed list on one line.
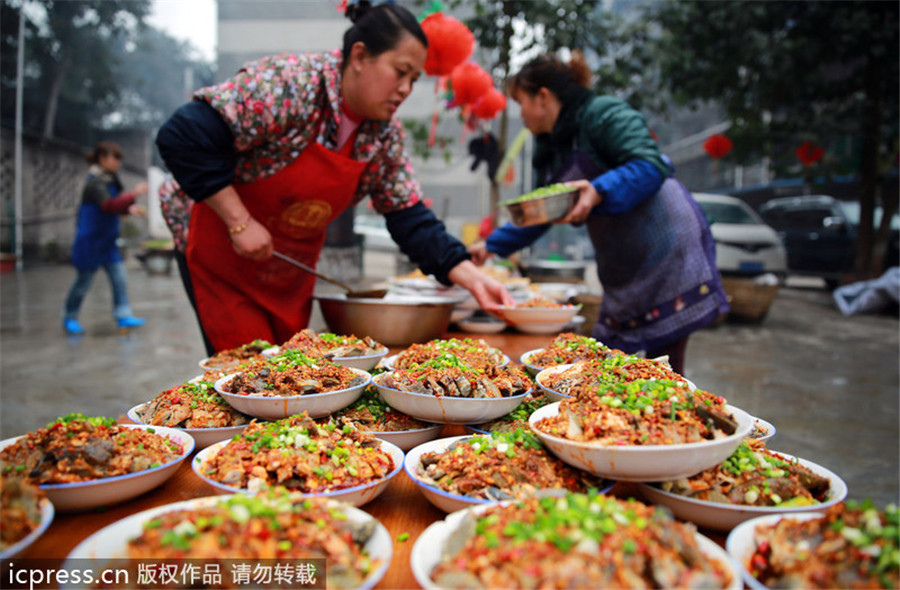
[(548, 71), (380, 28)]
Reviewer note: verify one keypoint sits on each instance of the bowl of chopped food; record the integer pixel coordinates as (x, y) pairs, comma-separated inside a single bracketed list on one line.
[(753, 481), (613, 433), (576, 541), (290, 383), (297, 528), (542, 205), (26, 513), (372, 414), (232, 357), (762, 429), (447, 391), (566, 348), (474, 352), (538, 315), (194, 407), (83, 462), (314, 459), (347, 351), (457, 472), (849, 545)]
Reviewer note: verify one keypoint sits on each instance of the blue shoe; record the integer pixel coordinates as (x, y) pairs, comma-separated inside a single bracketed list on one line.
[(73, 328), (130, 322)]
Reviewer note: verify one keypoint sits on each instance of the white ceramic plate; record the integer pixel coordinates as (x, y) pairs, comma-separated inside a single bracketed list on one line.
[(357, 495), (550, 371), (203, 437), (408, 439), (643, 462), (447, 410), (741, 544), (526, 356), (111, 541), (109, 490), (363, 363), (444, 500), (767, 429), (47, 514), (316, 405), (724, 517), (532, 316), (482, 325), (461, 313), (430, 546)]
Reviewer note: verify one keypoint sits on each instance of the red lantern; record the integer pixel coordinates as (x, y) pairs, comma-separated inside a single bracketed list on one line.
[(449, 43), (489, 105), (470, 82), (717, 146), (808, 153)]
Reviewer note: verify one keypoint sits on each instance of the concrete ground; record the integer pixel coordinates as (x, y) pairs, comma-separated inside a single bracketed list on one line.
[(828, 383)]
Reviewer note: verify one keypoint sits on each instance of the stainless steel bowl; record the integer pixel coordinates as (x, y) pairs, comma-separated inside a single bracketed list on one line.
[(542, 209), (391, 321)]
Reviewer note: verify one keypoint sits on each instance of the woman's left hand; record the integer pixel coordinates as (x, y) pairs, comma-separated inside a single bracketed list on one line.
[(588, 198), (489, 293)]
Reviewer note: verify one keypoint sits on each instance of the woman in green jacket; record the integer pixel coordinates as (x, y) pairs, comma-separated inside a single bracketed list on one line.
[(654, 251)]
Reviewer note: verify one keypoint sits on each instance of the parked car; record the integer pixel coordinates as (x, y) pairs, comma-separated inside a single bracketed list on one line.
[(745, 245), (820, 234)]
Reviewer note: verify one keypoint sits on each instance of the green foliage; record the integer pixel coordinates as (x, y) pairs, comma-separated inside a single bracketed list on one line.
[(786, 71), (417, 134)]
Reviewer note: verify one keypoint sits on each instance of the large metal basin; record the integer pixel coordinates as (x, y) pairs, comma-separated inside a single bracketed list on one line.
[(391, 321)]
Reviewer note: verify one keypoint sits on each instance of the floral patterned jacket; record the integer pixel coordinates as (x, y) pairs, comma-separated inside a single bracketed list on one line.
[(275, 107)]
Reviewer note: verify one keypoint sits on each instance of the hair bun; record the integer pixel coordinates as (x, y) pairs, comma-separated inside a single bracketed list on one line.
[(356, 9)]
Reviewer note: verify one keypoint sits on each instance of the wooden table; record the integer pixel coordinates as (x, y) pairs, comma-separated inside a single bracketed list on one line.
[(401, 508)]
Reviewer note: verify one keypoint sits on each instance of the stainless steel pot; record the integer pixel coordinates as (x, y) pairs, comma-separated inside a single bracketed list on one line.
[(391, 321)]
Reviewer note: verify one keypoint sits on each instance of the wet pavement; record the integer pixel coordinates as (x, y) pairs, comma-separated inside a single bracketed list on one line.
[(828, 383)]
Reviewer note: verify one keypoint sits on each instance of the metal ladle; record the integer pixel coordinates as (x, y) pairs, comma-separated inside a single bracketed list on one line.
[(351, 294)]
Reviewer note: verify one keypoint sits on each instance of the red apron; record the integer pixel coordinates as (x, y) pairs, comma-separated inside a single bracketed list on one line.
[(239, 300)]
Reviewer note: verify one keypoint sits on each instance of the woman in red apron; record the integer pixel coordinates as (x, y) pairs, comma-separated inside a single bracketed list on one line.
[(266, 160)]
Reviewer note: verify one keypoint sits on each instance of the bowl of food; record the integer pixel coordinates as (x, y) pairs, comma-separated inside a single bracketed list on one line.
[(474, 352), (26, 513), (679, 436), (762, 429), (223, 526), (347, 351), (232, 357), (82, 462), (753, 481), (453, 395), (542, 205), (194, 407), (291, 383), (538, 315), (460, 471), (393, 321), (576, 541), (551, 372), (850, 545), (372, 414), (297, 453)]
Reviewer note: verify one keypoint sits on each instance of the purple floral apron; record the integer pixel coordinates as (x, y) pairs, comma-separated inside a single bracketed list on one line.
[(656, 264)]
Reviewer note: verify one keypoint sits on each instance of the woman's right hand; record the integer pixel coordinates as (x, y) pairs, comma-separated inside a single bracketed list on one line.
[(253, 242)]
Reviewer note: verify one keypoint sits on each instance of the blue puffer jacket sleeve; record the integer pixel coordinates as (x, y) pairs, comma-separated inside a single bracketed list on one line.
[(627, 186), (508, 239)]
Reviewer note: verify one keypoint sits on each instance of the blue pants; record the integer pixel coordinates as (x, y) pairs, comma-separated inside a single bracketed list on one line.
[(116, 273)]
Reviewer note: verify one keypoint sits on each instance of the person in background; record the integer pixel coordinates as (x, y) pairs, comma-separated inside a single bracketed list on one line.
[(267, 159), (654, 250), (103, 202)]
